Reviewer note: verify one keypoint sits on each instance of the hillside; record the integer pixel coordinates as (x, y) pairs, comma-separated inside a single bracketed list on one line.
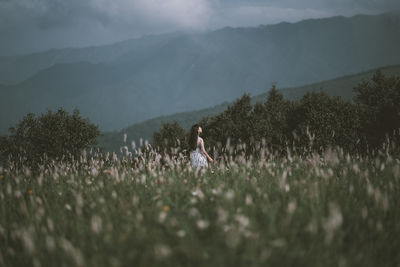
[(139, 79), (342, 86)]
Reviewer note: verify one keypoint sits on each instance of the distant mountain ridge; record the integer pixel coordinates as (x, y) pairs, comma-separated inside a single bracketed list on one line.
[(341, 86), (139, 79)]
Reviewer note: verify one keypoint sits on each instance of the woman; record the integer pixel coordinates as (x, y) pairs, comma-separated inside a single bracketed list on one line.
[(198, 155)]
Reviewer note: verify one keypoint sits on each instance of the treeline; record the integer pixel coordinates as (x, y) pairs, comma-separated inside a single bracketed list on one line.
[(313, 123)]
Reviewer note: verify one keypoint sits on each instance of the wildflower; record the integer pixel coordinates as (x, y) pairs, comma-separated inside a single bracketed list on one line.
[(291, 207), (193, 212), (198, 193), (1, 176), (30, 191), (165, 208), (27, 238), (17, 193), (71, 250), (162, 251), (249, 200), (202, 224), (379, 226), (181, 233), (222, 215), (162, 216), (50, 224), (242, 220), (96, 224), (333, 222), (287, 187), (364, 212), (229, 195)]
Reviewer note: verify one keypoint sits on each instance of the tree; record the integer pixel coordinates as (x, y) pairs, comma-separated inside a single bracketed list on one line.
[(379, 101), (51, 136), (322, 121), (171, 135), (270, 119), (234, 123)]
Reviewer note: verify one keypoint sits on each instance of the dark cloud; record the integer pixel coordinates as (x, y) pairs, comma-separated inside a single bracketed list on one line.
[(30, 25)]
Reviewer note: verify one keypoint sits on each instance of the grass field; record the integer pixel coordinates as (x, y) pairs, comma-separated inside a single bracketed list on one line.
[(330, 209)]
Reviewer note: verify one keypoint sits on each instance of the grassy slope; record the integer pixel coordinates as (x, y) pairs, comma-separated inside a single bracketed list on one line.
[(295, 211), (342, 86)]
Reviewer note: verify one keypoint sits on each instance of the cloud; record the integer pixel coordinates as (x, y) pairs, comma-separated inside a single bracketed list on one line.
[(179, 13), (29, 25), (256, 15)]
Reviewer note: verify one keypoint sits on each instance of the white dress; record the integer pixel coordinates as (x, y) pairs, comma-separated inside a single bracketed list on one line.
[(197, 157)]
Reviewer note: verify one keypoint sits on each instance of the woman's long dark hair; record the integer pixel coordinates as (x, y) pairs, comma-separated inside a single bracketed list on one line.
[(193, 137)]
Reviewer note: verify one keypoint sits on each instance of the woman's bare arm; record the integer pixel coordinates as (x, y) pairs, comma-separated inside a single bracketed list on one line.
[(204, 151)]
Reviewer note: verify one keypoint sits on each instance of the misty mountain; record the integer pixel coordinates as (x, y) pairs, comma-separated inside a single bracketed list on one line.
[(15, 69), (135, 80), (341, 86)]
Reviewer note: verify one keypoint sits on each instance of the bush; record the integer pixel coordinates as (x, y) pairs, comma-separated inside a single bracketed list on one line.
[(321, 121), (170, 135), (270, 120), (379, 101), (233, 124), (51, 136)]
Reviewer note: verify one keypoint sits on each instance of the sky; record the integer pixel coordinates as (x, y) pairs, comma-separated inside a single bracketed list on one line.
[(28, 26)]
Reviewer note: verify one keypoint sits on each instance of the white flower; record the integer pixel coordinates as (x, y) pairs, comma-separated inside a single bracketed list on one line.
[(242, 220), (202, 224), (162, 216), (291, 207), (96, 224), (162, 251), (249, 200), (222, 215), (181, 233), (229, 195), (198, 193), (193, 212)]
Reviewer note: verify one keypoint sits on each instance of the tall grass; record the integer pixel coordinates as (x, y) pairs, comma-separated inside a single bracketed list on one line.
[(301, 209)]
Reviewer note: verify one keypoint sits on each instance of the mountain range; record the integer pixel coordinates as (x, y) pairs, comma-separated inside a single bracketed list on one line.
[(138, 79)]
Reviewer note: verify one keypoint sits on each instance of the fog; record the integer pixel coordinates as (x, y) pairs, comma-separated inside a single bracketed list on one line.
[(36, 25)]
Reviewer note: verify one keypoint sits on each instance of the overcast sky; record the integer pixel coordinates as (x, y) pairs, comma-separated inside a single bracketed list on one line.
[(37, 25)]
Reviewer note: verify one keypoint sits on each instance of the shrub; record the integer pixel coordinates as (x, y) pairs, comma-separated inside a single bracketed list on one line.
[(51, 136), (169, 136), (379, 101)]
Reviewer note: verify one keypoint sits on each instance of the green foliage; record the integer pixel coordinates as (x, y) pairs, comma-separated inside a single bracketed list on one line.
[(342, 86), (269, 119), (321, 121), (234, 123), (379, 100), (313, 123), (170, 135), (51, 136)]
